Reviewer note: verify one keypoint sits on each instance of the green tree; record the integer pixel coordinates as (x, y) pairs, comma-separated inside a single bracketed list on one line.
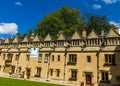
[(30, 31), (18, 34), (66, 19), (69, 20), (97, 22)]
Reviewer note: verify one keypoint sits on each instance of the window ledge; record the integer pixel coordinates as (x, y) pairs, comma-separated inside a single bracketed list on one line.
[(72, 79), (37, 75), (8, 61), (71, 63), (104, 81), (39, 61), (109, 64), (45, 61)]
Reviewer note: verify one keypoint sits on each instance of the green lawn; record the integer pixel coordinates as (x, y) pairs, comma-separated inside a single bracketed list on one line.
[(16, 82)]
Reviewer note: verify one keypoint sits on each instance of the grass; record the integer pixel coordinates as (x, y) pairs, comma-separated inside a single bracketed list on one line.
[(16, 82)]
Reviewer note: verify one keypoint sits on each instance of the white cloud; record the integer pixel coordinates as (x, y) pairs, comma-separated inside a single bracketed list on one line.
[(110, 1), (8, 28), (96, 6), (18, 3), (117, 24)]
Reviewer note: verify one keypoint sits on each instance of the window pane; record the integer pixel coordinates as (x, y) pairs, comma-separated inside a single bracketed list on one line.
[(46, 57)]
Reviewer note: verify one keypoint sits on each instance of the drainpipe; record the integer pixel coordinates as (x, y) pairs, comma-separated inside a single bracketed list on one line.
[(65, 54), (48, 66), (97, 54)]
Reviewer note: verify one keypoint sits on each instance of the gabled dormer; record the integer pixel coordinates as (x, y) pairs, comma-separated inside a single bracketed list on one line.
[(17, 39), (61, 40), (26, 39), (76, 35), (48, 38), (112, 33), (8, 40), (48, 41), (37, 38), (61, 36), (75, 39), (92, 34)]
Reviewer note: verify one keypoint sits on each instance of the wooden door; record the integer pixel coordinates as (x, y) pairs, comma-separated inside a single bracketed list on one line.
[(28, 73), (88, 79)]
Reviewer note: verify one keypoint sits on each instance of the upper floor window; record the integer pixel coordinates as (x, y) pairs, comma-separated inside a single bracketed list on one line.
[(52, 57), (4, 55), (40, 58), (28, 58), (88, 58), (110, 59), (17, 57), (72, 59), (9, 57), (58, 57), (46, 57)]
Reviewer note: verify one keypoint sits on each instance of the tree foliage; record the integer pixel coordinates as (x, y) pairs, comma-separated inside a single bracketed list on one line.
[(66, 19), (97, 22), (69, 20)]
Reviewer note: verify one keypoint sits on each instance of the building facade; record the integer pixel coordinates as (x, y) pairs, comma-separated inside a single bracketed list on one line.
[(87, 59)]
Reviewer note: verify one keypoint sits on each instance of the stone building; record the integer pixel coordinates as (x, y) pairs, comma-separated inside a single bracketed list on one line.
[(88, 59)]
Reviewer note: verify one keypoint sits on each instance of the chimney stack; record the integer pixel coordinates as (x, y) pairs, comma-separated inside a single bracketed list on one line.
[(102, 32), (84, 33), (32, 36)]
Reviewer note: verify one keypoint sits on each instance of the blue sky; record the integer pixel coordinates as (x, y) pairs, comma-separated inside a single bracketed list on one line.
[(21, 15)]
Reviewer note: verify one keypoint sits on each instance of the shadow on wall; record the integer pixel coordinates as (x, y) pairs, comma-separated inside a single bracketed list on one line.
[(115, 69)]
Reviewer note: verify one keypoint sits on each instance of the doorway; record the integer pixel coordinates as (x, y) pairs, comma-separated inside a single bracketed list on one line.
[(28, 73), (88, 78)]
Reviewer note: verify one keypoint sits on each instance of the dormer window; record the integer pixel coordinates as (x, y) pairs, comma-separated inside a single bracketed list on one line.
[(60, 43), (47, 44), (75, 42)]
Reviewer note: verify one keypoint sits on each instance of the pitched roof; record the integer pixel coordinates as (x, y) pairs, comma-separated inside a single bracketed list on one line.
[(26, 39), (48, 37), (61, 36), (16, 39), (8, 40), (37, 38), (76, 35), (92, 34), (112, 33)]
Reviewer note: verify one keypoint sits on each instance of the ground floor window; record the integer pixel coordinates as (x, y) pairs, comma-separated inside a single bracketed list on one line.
[(57, 72), (51, 72), (19, 70), (104, 76), (0, 67), (110, 59), (73, 75), (38, 72)]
